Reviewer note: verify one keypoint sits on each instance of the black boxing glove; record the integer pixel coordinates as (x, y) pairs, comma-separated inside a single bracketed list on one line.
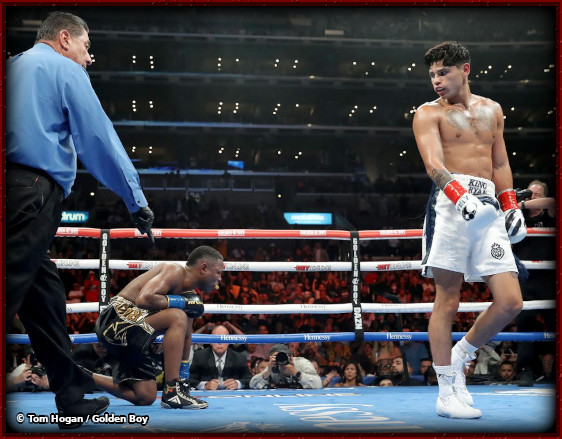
[(523, 194), (143, 219), (189, 301)]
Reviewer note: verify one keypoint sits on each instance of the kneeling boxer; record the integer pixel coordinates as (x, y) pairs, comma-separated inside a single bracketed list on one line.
[(160, 301)]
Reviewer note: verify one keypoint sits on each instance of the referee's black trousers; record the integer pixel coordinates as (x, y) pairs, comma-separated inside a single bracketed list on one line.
[(34, 289)]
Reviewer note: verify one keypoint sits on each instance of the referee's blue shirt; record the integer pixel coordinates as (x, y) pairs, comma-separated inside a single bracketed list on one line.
[(53, 115)]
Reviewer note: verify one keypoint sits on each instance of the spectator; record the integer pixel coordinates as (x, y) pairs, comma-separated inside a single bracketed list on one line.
[(312, 352), (18, 378), (430, 376), (258, 365), (262, 350), (506, 372), (539, 211), (425, 363), (471, 377), (333, 373), (294, 347), (91, 287), (487, 360), (76, 295), (384, 366), (385, 350), (507, 351), (400, 376), (361, 354), (547, 374), (414, 351), (217, 367), (39, 377), (286, 371), (383, 381), (351, 376), (320, 254)]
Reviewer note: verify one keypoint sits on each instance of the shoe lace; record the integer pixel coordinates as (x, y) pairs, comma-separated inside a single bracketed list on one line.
[(185, 387)]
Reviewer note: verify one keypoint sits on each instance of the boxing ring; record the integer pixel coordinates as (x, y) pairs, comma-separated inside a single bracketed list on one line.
[(506, 408)]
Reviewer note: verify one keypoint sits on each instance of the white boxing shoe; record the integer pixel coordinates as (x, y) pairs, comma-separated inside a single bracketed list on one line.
[(459, 360), (452, 407), (459, 387)]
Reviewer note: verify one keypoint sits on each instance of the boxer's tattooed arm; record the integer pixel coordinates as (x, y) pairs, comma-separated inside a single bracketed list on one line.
[(441, 177)]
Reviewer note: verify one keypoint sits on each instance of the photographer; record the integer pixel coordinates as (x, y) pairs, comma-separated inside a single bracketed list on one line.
[(29, 375), (285, 371), (539, 210), (39, 377)]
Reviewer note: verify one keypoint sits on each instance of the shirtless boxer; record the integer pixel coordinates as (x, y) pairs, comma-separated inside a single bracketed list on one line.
[(460, 139), (160, 301)]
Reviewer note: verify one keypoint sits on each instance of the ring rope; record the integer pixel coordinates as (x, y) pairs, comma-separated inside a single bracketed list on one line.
[(291, 266), (336, 308), (87, 232), (121, 264), (304, 338)]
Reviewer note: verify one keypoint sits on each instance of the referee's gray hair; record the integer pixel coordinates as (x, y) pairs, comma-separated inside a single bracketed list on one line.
[(58, 21)]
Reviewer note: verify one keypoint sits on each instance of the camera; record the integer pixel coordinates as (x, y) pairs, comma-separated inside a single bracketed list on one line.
[(282, 359), (39, 370)]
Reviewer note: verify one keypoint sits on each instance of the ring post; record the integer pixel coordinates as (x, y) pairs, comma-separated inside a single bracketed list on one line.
[(104, 269), (355, 288)]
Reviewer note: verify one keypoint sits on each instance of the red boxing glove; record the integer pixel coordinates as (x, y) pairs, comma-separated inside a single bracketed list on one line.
[(508, 200), (514, 219), (454, 190)]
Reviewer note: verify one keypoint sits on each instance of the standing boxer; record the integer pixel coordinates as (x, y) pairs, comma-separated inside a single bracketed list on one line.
[(157, 302), (53, 116), (460, 139)]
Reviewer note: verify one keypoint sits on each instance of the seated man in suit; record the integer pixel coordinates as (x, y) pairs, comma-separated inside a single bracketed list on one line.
[(218, 367)]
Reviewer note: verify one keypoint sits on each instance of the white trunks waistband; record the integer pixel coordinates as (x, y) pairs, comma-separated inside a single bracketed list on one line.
[(476, 185)]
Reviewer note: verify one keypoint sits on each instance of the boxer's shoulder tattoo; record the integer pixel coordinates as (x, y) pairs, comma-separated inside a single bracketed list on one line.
[(441, 177), (514, 275)]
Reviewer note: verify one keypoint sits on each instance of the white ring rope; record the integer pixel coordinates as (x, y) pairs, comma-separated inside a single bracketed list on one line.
[(340, 308), (366, 266), (119, 264)]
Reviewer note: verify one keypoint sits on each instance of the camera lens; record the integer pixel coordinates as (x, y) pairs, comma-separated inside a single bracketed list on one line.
[(282, 359)]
